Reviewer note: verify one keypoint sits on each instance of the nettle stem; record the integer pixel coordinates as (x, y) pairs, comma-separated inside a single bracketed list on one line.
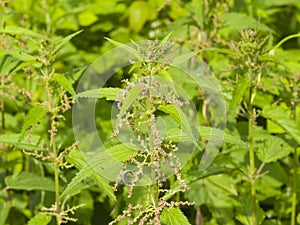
[(295, 177), (51, 105), (3, 130), (251, 123), (57, 194), (153, 174)]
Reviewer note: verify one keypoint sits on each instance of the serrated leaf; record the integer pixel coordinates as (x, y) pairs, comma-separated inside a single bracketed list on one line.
[(32, 118), (7, 64), (4, 210), (88, 176), (126, 47), (173, 216), (130, 98), (63, 81), (272, 149), (182, 121), (109, 94), (79, 182), (20, 31), (244, 210), (21, 55), (223, 164), (35, 142), (29, 181), (206, 133), (40, 219), (59, 43), (280, 117), (241, 87), (183, 58), (22, 65), (122, 152), (165, 40), (104, 186), (34, 115)]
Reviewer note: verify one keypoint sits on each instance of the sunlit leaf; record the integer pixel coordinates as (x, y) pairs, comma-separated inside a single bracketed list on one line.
[(126, 47), (40, 219), (87, 18), (4, 210), (34, 143), (64, 82), (109, 94), (34, 115), (173, 216), (139, 13), (59, 42), (14, 30), (130, 98), (241, 87), (122, 152)]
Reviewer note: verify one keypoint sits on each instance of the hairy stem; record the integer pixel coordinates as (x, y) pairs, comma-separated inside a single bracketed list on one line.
[(251, 123), (295, 177), (153, 174), (3, 130), (57, 194)]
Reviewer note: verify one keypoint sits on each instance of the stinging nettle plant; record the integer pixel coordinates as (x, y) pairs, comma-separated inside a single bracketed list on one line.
[(147, 106), (45, 175)]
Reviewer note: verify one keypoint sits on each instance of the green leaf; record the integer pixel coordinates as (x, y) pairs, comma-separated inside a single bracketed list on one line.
[(272, 149), (87, 176), (122, 152), (206, 133), (273, 3), (59, 42), (173, 216), (139, 13), (244, 210), (7, 64), (87, 18), (104, 186), (14, 30), (40, 219), (298, 218), (239, 21), (109, 94), (130, 98), (182, 121), (4, 210), (280, 117), (126, 47), (34, 143), (241, 87), (79, 183), (29, 181), (21, 55), (63, 81), (183, 58), (32, 118)]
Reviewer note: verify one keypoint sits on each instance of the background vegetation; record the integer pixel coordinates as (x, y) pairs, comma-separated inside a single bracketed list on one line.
[(251, 47)]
